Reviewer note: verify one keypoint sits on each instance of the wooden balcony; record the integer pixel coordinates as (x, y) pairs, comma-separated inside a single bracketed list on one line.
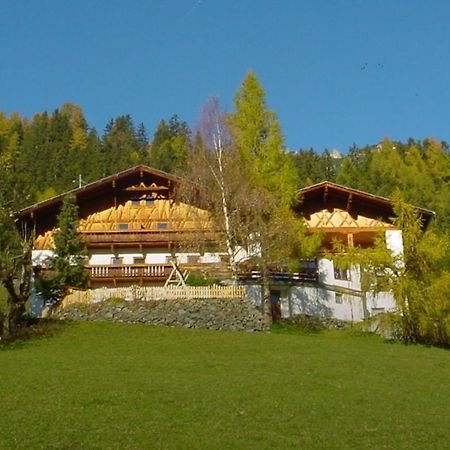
[(142, 237), (129, 273)]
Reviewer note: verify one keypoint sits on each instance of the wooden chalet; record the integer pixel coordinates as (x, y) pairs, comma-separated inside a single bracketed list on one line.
[(347, 214), (132, 226), (355, 218)]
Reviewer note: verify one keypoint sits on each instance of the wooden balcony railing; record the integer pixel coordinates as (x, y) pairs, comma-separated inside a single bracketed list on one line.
[(301, 276), (145, 271), (141, 236)]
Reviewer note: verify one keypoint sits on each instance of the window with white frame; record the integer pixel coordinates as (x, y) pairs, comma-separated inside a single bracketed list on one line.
[(342, 274)]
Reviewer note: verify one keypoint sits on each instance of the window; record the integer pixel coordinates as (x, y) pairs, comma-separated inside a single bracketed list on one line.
[(122, 226), (149, 201), (338, 298), (139, 260), (135, 201), (162, 225), (192, 259), (341, 274), (311, 265)]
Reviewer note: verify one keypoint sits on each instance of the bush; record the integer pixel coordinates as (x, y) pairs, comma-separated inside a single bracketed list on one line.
[(35, 328), (387, 325), (299, 324), (201, 279)]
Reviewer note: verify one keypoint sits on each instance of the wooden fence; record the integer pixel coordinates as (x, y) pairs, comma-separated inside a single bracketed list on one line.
[(145, 293)]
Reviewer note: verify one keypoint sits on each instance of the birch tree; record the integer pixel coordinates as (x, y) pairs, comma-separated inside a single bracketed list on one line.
[(215, 179), (67, 264)]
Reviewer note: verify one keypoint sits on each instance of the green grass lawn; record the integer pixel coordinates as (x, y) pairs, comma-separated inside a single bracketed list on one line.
[(117, 386)]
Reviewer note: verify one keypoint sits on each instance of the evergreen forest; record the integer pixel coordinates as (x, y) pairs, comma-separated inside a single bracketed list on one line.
[(54, 152)]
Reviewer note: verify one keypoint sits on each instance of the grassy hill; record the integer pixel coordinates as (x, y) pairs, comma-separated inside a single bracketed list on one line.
[(117, 386)]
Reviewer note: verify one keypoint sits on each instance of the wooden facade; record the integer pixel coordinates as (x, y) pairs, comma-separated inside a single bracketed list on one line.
[(142, 222), (133, 226), (347, 214)]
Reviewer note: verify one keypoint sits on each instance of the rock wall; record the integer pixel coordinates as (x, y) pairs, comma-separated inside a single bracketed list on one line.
[(229, 315)]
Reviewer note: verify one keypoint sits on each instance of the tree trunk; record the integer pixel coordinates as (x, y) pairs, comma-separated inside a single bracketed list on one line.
[(16, 315), (5, 330), (225, 209), (266, 306), (18, 291)]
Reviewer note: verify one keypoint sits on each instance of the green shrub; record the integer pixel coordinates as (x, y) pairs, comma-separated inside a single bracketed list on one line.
[(387, 325), (299, 324), (34, 328), (201, 279)]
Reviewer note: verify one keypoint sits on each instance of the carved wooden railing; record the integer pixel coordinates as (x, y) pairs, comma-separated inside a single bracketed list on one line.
[(142, 236), (129, 271)]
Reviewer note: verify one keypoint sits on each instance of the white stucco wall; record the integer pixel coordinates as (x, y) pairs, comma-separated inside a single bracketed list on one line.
[(100, 259), (326, 275), (317, 301), (380, 302), (38, 257), (155, 256), (210, 258), (313, 301), (394, 241)]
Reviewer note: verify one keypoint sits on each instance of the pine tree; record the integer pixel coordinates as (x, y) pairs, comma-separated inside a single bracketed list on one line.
[(274, 233), (170, 145), (257, 134), (121, 147), (67, 264), (142, 141)]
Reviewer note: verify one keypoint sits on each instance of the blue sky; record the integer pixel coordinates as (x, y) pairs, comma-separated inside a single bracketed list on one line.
[(336, 72)]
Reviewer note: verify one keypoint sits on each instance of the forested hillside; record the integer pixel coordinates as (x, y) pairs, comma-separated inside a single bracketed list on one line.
[(49, 153), (55, 152)]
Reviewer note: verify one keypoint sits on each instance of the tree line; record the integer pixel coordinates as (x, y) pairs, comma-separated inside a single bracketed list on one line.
[(48, 153)]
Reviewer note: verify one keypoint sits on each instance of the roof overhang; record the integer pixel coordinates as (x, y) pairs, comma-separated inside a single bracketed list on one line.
[(326, 195), (104, 193), (121, 179)]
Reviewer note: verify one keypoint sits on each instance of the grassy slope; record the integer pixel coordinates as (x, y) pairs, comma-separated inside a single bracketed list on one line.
[(105, 385)]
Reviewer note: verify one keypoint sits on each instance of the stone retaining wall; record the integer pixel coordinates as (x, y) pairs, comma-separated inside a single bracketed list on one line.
[(229, 315)]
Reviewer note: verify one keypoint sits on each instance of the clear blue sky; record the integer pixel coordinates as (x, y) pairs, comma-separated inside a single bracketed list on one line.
[(336, 72)]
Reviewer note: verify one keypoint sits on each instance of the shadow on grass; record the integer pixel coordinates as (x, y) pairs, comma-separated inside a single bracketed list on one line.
[(313, 326), (284, 327), (306, 324), (35, 329)]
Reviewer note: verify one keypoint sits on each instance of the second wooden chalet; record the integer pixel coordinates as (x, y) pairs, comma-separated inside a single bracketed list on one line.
[(355, 218)]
